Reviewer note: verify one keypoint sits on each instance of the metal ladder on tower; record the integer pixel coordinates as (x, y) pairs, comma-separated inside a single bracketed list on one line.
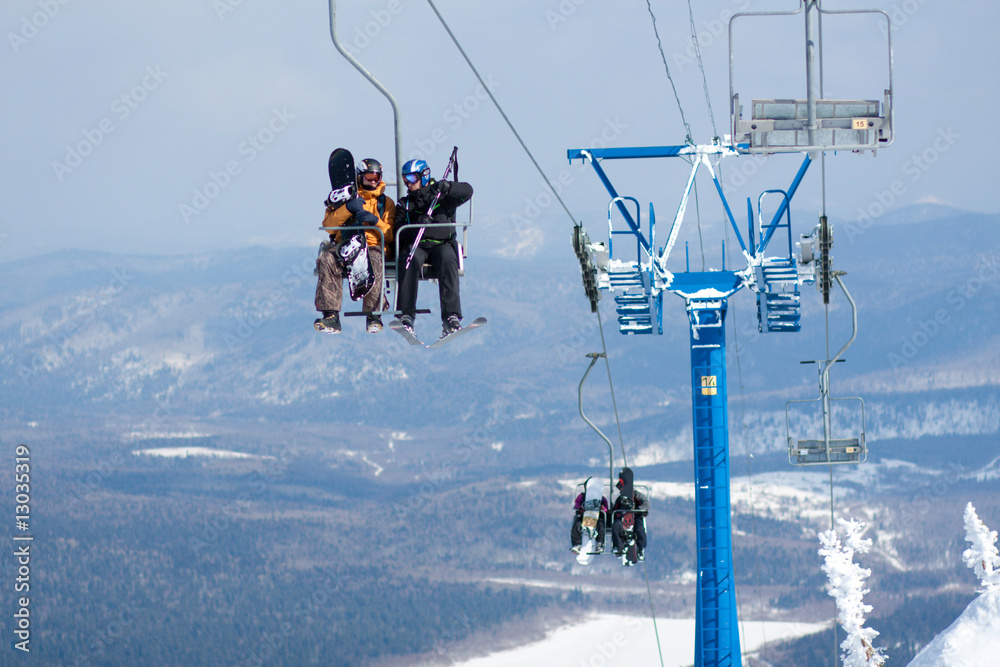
[(635, 305)]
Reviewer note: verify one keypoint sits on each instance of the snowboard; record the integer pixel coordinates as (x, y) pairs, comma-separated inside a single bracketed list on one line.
[(627, 517), (591, 515), (398, 327), (343, 180), (353, 256), (476, 323)]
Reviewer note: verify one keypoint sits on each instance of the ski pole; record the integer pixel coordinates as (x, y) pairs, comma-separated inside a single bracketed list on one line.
[(420, 234)]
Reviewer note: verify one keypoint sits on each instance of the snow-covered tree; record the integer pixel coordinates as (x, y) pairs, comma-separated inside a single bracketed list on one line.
[(847, 587), (982, 554)]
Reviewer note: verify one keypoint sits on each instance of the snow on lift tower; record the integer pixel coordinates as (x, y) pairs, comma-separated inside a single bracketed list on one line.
[(812, 124)]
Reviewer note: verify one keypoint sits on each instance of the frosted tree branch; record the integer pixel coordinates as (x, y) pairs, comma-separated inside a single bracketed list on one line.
[(846, 586), (981, 556)]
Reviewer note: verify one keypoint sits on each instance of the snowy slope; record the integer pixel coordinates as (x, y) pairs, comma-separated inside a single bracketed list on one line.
[(973, 640), (610, 640)]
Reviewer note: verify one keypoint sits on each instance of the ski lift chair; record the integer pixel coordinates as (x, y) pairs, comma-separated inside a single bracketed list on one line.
[(812, 124), (389, 277), (826, 450)]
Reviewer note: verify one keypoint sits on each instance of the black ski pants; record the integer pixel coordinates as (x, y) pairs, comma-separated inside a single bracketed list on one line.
[(618, 532), (443, 258)]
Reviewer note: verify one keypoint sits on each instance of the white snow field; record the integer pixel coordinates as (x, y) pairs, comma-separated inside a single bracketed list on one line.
[(609, 640), (973, 640)]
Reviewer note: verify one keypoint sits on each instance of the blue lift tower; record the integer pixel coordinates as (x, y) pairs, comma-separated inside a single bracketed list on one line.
[(638, 275)]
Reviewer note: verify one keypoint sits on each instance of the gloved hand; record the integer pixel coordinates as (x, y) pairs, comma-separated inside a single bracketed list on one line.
[(364, 217), (442, 187), (356, 205)]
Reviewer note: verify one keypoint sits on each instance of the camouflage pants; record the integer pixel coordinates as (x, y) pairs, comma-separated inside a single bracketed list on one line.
[(330, 285)]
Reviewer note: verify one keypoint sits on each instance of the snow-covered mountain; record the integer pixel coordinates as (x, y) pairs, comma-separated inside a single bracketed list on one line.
[(973, 640)]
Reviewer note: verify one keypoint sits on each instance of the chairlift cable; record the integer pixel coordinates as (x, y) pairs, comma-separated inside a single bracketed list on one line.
[(697, 211), (701, 66), (659, 45), (486, 88), (600, 324), (645, 574), (614, 403)]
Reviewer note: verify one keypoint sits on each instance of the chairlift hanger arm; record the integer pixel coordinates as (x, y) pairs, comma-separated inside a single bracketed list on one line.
[(594, 356), (378, 85)]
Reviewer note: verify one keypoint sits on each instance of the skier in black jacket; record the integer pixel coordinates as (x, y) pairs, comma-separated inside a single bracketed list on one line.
[(438, 245), (628, 500)]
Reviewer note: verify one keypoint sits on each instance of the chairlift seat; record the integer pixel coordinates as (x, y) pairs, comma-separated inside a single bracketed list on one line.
[(815, 452), (781, 126)]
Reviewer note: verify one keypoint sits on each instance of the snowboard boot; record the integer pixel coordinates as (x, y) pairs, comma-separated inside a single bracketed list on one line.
[(450, 325), (329, 323), (374, 324)]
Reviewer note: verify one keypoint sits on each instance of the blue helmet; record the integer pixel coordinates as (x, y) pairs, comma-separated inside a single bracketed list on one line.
[(414, 169)]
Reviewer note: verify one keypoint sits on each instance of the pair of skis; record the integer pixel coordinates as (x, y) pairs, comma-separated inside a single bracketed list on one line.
[(399, 327)]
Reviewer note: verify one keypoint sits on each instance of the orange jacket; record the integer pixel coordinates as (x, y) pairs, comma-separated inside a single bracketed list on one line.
[(336, 217)]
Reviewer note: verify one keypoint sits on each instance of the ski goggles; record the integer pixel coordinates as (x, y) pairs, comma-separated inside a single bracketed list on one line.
[(412, 178), (372, 176)]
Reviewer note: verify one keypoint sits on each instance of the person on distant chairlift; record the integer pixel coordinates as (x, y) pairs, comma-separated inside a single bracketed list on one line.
[(638, 505), (373, 208), (576, 532), (438, 245)]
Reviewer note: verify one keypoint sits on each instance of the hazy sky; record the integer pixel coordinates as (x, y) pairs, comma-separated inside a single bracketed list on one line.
[(183, 126)]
